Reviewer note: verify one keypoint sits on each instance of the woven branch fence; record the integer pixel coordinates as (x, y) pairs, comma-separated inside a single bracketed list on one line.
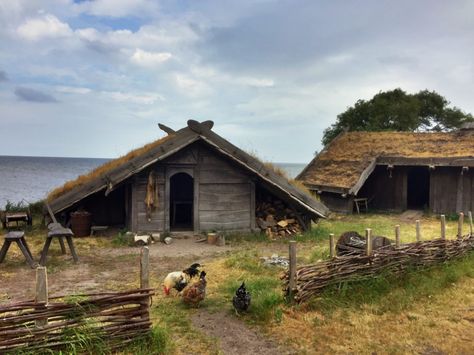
[(302, 283), (81, 321)]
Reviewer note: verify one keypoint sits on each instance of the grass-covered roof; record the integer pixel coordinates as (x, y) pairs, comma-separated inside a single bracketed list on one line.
[(342, 162)]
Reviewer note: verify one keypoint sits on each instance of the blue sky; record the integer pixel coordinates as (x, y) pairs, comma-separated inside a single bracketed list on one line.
[(93, 78)]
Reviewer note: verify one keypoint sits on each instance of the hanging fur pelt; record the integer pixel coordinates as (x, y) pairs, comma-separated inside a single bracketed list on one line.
[(151, 198)]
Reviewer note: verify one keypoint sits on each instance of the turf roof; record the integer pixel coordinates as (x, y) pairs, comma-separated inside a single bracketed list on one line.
[(342, 162)]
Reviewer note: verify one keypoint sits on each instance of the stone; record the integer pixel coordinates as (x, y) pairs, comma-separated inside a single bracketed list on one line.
[(168, 240)]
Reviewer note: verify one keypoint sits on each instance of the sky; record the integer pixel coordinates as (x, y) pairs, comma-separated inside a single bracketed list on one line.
[(94, 78)]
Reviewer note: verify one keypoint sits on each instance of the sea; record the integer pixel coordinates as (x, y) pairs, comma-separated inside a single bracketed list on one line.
[(29, 179)]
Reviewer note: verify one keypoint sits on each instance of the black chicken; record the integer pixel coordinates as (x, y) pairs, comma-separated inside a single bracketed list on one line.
[(241, 300), (193, 270)]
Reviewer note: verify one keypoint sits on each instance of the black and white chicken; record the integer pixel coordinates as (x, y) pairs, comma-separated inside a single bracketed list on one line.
[(180, 279), (241, 300)]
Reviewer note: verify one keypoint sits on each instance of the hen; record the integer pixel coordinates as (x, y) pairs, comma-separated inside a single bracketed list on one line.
[(241, 300), (180, 279), (195, 293)]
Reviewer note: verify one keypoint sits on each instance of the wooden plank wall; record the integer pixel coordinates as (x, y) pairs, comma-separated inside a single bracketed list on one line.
[(385, 192), (225, 194), (452, 192), (157, 216), (443, 190), (336, 203)]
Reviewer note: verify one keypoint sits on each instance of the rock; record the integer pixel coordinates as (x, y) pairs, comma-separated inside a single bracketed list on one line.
[(141, 240), (168, 240), (155, 237)]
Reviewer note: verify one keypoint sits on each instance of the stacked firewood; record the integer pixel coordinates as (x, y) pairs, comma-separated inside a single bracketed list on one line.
[(276, 219)]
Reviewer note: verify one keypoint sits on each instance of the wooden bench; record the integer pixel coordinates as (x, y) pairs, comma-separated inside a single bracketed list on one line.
[(363, 201), (59, 232), (19, 239), (56, 230)]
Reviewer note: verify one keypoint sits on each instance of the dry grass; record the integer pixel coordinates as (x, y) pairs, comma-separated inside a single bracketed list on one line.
[(105, 168), (344, 161)]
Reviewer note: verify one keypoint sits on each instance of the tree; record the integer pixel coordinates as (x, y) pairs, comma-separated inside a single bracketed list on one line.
[(396, 110)]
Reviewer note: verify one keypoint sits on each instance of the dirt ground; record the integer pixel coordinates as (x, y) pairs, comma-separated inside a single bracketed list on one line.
[(233, 336), (99, 269)]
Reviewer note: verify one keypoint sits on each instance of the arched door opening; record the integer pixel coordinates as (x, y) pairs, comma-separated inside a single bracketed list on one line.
[(181, 202)]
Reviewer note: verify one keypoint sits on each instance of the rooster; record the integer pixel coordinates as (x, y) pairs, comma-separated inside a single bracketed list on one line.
[(241, 300), (195, 293), (180, 279)]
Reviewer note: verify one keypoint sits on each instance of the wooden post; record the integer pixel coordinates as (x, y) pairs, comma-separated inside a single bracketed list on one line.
[(443, 226), (144, 268), (292, 280), (418, 230), (41, 292), (469, 214), (332, 246), (145, 278), (368, 242), (460, 224), (397, 236)]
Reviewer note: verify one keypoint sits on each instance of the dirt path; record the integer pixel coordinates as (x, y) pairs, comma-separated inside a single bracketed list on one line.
[(100, 269), (234, 336)]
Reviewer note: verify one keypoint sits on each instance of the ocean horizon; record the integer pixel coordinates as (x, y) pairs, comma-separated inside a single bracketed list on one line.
[(31, 178)]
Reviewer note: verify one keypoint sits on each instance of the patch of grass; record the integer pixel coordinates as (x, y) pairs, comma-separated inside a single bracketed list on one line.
[(157, 341), (394, 293), (246, 260), (121, 240)]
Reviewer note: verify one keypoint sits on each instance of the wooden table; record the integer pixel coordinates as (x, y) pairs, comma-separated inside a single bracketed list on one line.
[(19, 239), (16, 217), (59, 232)]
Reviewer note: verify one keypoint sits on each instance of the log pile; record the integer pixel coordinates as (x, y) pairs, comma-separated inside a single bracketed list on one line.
[(276, 219), (312, 279), (78, 322)]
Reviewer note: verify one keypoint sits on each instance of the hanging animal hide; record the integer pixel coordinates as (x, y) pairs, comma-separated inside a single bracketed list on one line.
[(151, 198)]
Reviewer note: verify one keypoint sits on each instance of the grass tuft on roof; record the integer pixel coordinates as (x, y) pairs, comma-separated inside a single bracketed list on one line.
[(102, 170)]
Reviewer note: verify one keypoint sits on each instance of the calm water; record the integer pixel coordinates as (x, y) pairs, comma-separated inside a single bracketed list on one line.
[(31, 178)]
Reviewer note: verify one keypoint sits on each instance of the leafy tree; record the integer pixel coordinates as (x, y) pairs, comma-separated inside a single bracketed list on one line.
[(396, 110)]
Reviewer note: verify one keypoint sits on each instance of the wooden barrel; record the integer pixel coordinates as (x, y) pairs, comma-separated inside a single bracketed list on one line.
[(81, 222)]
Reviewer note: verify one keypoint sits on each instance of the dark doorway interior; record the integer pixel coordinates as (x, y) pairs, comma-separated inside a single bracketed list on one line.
[(181, 202), (418, 188)]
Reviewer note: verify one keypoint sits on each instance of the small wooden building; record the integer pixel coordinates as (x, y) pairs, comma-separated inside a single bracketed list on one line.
[(192, 179), (396, 171)]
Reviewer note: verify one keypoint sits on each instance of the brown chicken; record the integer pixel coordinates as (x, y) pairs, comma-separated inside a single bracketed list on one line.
[(195, 293)]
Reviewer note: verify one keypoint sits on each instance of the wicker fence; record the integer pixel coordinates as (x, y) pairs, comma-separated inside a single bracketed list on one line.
[(85, 321), (303, 282)]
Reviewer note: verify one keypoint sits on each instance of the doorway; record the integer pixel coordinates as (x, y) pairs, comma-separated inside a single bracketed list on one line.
[(418, 188), (181, 202)]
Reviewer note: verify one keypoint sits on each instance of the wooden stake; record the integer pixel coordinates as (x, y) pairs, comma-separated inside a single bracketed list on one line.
[(397, 236), (418, 231), (469, 214), (443, 226), (368, 242), (144, 268), (332, 246), (41, 291), (460, 224), (292, 281)]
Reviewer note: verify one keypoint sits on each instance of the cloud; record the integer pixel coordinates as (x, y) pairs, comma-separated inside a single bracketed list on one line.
[(118, 8), (46, 26), (32, 95), (140, 98), (149, 59), (73, 90), (3, 76)]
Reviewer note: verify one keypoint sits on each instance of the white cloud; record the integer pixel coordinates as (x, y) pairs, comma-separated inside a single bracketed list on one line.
[(118, 8), (149, 59), (46, 26), (73, 90), (142, 98)]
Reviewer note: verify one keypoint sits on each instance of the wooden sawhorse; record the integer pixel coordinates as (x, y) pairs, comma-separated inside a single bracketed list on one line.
[(60, 233), (19, 239)]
